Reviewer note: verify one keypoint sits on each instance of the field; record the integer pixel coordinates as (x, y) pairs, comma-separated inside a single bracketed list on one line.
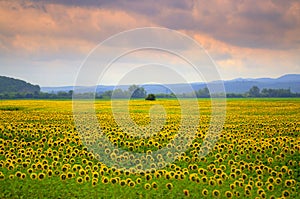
[(42, 155)]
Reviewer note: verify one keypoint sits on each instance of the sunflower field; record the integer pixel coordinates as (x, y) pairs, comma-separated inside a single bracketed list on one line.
[(257, 155)]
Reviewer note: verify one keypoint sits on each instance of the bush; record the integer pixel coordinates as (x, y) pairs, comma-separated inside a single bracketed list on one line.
[(150, 97)]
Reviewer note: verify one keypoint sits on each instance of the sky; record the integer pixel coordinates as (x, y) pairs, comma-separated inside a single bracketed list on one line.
[(47, 42)]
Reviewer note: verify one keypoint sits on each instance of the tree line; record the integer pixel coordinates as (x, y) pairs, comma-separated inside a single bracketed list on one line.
[(265, 92), (136, 92)]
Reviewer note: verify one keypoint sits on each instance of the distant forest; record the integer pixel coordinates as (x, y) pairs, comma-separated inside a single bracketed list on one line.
[(11, 88)]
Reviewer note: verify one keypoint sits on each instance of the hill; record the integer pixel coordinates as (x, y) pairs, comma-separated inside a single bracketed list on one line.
[(11, 85), (240, 85)]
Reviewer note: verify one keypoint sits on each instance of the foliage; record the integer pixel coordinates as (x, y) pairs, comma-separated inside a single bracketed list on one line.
[(11, 85), (137, 92), (150, 97), (254, 92), (203, 93)]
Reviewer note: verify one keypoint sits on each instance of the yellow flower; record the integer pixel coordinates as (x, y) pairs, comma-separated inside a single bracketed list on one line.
[(215, 193), (131, 184), (113, 180), (63, 176), (148, 177), (186, 192), (228, 194), (33, 176), (147, 186), (169, 186), (285, 194), (154, 185), (18, 174), (104, 180), (205, 192), (79, 180)]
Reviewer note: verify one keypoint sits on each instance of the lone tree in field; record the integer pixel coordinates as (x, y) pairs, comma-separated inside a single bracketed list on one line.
[(150, 97)]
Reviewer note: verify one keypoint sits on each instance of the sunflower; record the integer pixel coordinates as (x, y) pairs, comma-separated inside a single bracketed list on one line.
[(33, 176), (232, 175), (18, 174), (127, 173), (104, 180), (128, 180), (113, 180), (154, 185), (215, 193), (79, 180), (212, 182), (270, 187), (63, 177), (168, 176), (41, 176), (219, 181), (260, 191), (147, 186), (259, 184), (2, 176), (148, 177), (204, 179), (95, 174), (290, 172), (193, 177), (186, 192), (87, 178), (201, 171), (288, 183), (169, 186), (70, 175), (247, 192), (232, 186), (228, 194), (279, 174), (50, 172), (270, 179), (11, 176), (204, 192), (278, 181), (82, 172), (263, 195), (259, 172), (237, 194), (122, 183), (131, 184), (224, 176), (94, 183)]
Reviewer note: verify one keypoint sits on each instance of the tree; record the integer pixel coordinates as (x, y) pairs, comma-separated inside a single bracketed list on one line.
[(202, 92), (137, 92), (151, 97), (254, 91), (118, 93)]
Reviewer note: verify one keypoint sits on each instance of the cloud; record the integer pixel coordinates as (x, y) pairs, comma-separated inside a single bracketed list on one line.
[(255, 24), (56, 29), (243, 37)]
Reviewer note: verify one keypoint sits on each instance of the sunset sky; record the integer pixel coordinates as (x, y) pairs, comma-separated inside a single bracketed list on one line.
[(45, 42)]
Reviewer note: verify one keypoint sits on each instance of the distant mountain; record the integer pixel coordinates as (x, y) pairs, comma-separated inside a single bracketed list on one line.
[(291, 81), (9, 85), (239, 85)]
